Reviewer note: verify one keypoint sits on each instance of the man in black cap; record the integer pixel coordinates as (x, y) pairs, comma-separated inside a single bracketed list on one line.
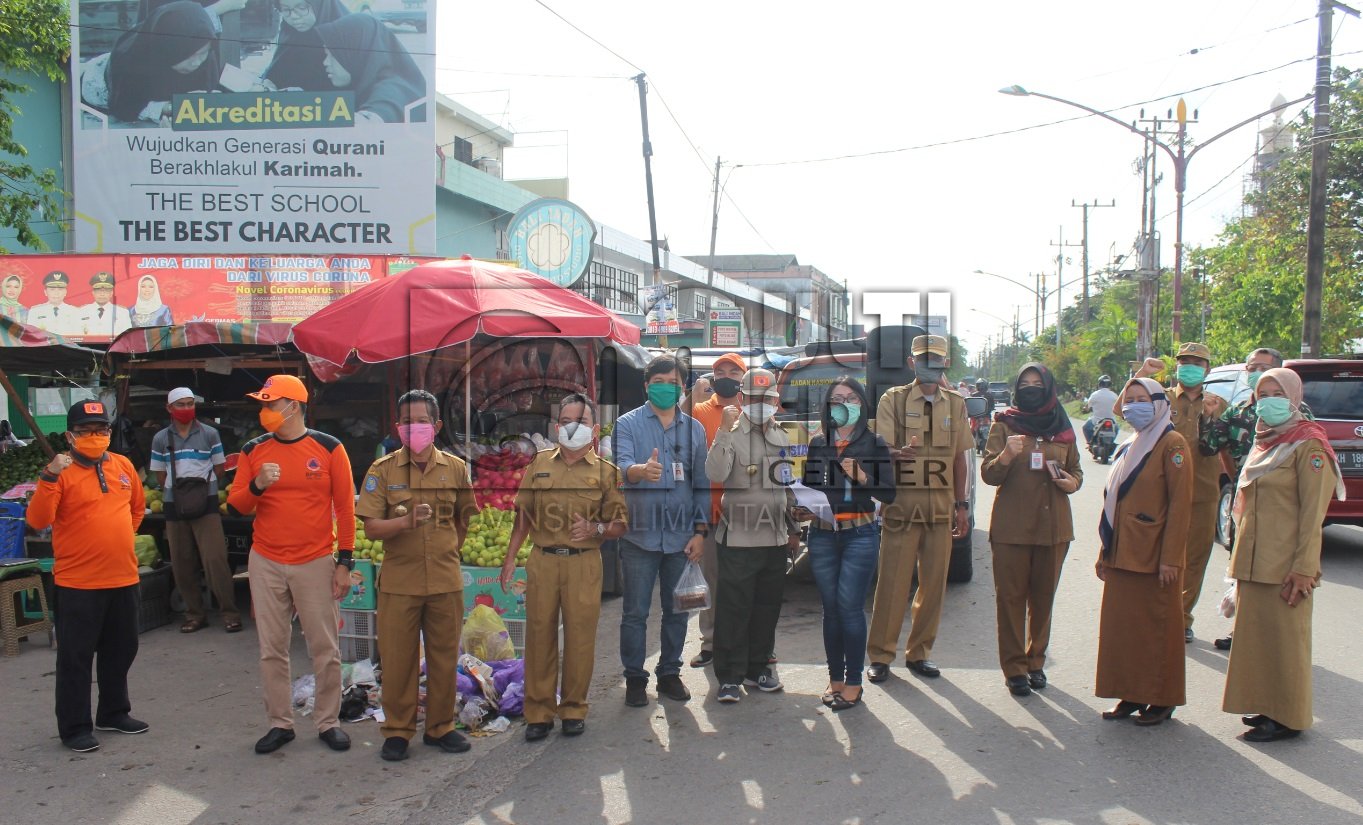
[(102, 317), (92, 499), (57, 315)]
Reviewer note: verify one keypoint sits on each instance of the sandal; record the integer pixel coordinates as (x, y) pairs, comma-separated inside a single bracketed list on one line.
[(193, 625), (828, 696), (232, 627), (841, 703)]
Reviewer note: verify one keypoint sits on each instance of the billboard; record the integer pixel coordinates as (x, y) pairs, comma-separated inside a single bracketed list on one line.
[(726, 328), (254, 127), (97, 297)]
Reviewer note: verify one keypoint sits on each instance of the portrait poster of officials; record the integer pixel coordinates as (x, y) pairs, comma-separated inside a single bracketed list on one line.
[(254, 126)]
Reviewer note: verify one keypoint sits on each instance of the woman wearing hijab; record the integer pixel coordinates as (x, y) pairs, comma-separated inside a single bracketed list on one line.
[(1283, 492), (1031, 456), (10, 290), (363, 55), (174, 51), (149, 311), (298, 53), (851, 465), (1146, 506)]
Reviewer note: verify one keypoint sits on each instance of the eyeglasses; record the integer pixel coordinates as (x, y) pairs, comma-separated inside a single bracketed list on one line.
[(93, 431), (844, 399), (295, 11)]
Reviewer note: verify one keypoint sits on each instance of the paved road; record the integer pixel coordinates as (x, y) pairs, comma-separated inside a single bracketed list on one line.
[(956, 749)]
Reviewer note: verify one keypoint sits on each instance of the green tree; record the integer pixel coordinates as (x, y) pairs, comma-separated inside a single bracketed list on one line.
[(35, 40)]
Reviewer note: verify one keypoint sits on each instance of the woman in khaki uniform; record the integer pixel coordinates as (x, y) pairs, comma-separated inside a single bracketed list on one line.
[(1032, 458), (1146, 506), (1283, 493)]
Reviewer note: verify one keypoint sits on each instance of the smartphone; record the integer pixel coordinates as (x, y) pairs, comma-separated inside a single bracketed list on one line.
[(1053, 467)]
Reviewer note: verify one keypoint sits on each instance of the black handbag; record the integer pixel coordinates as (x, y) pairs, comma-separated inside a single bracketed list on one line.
[(190, 495)]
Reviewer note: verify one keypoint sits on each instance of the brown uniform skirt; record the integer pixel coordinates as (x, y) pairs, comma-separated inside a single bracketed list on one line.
[(1270, 663), (1140, 640)]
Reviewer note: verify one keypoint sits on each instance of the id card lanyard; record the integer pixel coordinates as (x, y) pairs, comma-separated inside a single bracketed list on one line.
[(1038, 457)]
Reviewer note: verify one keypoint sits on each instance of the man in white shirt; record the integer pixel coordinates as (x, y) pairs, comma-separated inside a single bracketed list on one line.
[(57, 316), (102, 317), (1100, 405)]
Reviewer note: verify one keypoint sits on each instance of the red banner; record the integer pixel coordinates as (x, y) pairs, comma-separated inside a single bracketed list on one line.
[(97, 297)]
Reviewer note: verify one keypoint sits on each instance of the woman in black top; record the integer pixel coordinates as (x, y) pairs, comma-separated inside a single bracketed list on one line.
[(851, 466), (363, 55), (298, 52)]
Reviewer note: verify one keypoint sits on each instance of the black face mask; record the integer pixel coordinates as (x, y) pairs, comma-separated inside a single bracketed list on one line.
[(725, 387), (1031, 399)]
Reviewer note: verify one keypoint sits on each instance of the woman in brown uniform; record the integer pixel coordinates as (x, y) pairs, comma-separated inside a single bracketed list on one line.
[(1284, 490), (1032, 458), (1146, 506)]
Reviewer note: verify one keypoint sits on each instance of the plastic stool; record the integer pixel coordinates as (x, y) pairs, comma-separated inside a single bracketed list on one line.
[(10, 629)]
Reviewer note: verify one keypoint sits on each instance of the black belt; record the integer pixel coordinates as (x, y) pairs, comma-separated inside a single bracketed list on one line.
[(565, 551)]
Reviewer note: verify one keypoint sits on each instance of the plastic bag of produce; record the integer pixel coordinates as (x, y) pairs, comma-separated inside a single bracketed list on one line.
[(486, 637), (145, 549), (692, 594)]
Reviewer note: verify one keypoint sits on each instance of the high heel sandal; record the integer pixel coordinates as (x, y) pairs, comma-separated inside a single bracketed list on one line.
[(841, 703), (1123, 710), (1154, 715)]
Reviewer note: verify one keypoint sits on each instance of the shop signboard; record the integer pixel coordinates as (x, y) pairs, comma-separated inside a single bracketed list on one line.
[(726, 328), (239, 133), (552, 238)]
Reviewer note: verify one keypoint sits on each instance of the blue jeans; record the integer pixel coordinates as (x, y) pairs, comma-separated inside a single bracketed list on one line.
[(843, 563), (641, 569)]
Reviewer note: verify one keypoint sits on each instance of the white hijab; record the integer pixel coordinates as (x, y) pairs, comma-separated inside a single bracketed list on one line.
[(1131, 456), (153, 303)]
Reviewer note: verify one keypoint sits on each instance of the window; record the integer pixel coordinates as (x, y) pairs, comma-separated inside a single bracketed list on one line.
[(702, 306), (613, 288)]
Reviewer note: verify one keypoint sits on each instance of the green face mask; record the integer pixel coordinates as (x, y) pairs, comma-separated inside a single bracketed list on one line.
[(845, 415), (664, 396), (1190, 375), (1253, 378), (1273, 411)]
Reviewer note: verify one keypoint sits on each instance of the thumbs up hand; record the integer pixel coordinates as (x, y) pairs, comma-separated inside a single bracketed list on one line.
[(653, 469)]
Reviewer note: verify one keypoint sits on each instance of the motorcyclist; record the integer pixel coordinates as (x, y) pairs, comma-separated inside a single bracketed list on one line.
[(982, 389), (1100, 405)]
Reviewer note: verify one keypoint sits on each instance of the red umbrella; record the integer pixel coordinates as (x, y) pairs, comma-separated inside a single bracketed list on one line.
[(450, 302)]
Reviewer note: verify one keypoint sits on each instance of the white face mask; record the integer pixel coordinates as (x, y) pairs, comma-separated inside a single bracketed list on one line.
[(574, 436), (759, 413)]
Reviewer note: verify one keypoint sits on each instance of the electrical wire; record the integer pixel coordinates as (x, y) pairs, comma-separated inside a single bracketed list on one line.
[(577, 29)]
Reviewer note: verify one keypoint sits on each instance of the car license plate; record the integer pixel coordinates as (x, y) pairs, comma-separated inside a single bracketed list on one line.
[(1350, 460)]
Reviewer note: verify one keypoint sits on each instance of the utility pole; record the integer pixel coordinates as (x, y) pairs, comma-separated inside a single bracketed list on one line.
[(1060, 281), (648, 181), (714, 229), (1320, 161), (1036, 308), (1086, 207)]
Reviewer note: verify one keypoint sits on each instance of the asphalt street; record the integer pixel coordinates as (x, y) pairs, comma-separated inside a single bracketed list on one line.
[(957, 749)]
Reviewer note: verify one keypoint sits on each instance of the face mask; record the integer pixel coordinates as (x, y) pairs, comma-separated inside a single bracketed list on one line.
[(927, 375), (664, 396), (91, 446), (1139, 414), (1253, 379), (759, 413), (1273, 411), (574, 436), (846, 415), (416, 437), (1031, 399), (1190, 375), (725, 387), (182, 415), (272, 420)]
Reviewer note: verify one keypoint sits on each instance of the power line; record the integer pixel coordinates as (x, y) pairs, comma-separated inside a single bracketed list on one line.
[(577, 29)]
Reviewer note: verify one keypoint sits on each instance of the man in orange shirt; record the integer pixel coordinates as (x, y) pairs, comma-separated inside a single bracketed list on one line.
[(92, 499), (728, 371), (296, 479)]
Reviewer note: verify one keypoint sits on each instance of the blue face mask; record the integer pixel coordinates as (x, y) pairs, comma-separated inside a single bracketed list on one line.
[(1140, 414), (1273, 411)]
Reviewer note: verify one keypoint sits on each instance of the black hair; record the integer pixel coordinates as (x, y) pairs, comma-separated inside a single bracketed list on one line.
[(419, 396), (579, 398), (664, 365), (1271, 353)]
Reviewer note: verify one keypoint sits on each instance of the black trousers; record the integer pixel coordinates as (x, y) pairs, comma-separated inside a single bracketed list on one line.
[(752, 581), (94, 624)]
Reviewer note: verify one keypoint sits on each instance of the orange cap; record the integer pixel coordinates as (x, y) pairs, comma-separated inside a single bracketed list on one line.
[(281, 386), (733, 358)]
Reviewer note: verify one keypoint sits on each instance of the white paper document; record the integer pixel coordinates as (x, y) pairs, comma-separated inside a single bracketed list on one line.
[(813, 501)]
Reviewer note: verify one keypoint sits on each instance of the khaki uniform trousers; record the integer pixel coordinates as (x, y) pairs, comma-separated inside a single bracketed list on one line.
[(404, 623), (1025, 580), (277, 590), (925, 548), (567, 587), (1201, 537), (709, 566), (196, 542)]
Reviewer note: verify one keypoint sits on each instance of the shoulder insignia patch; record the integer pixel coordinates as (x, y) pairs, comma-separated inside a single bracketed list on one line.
[(1177, 457), (1317, 462), (371, 483)]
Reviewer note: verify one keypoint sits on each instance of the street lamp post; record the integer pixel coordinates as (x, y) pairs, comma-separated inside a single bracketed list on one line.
[(1180, 158), (1040, 294)]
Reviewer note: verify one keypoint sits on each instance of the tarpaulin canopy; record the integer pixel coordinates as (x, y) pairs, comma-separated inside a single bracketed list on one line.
[(28, 348), (200, 334)]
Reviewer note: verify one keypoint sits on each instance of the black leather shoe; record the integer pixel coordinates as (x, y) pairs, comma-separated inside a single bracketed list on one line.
[(924, 667), (1123, 710), (1223, 643), (877, 672), (1018, 686), (703, 658), (672, 688), (535, 731), (1253, 720), (123, 724), (394, 749), (1270, 731), (636, 693), (335, 738), (274, 740), (452, 742), (574, 727), (1037, 679), (1154, 715)]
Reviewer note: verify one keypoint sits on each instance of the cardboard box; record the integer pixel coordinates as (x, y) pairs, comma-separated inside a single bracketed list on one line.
[(362, 594), (482, 585)]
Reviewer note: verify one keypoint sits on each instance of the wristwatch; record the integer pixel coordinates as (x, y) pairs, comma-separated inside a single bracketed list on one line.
[(703, 532), (601, 528), (963, 505)]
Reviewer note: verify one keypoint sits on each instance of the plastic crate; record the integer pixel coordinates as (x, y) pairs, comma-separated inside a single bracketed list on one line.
[(357, 649), (515, 628), (12, 529), (153, 609), (359, 635)]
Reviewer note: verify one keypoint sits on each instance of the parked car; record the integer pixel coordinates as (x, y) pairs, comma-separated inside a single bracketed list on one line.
[(1002, 392), (1230, 381)]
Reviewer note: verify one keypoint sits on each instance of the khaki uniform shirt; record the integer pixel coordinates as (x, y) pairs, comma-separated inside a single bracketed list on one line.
[(1151, 527), (1188, 421), (1029, 508), (926, 483), (755, 468), (424, 560), (1280, 529), (553, 491)]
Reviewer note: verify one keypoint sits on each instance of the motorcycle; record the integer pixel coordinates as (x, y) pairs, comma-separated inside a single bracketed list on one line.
[(1104, 440), (977, 408)]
